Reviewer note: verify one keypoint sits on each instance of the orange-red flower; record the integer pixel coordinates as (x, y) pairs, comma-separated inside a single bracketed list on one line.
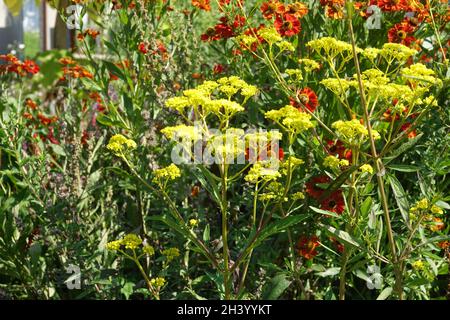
[(14, 65), (31, 104), (313, 188), (30, 67), (287, 25), (272, 8), (444, 244), (437, 224), (333, 8), (306, 247), (218, 68), (402, 33), (308, 99), (339, 149), (143, 47), (202, 4), (334, 203), (406, 127), (297, 9)]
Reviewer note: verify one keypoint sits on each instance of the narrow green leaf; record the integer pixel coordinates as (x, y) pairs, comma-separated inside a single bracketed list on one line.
[(275, 288), (341, 235), (400, 197), (385, 293)]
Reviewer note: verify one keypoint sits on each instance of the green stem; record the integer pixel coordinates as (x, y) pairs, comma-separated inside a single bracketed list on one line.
[(226, 253), (398, 282)]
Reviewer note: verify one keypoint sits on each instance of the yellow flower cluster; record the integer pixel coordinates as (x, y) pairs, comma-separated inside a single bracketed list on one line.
[(270, 35), (295, 75), (331, 48), (291, 119), (119, 144), (298, 196), (366, 168), (227, 146), (158, 282), (418, 265), (309, 65), (429, 212), (390, 52), (273, 191), (193, 222), (149, 250), (262, 171), (205, 99), (183, 132), (353, 132), (371, 53), (419, 74), (165, 174), (171, 253), (396, 51), (293, 162), (262, 138), (130, 241), (285, 46), (338, 86), (334, 163)]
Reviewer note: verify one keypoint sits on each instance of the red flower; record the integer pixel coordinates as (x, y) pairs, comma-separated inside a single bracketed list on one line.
[(218, 69), (393, 5), (338, 148), (287, 25), (14, 65), (30, 67), (444, 244), (143, 47), (333, 8), (51, 136), (339, 246), (308, 99), (31, 104), (334, 203), (271, 8), (406, 127), (312, 187), (402, 33), (306, 247), (202, 4), (297, 9)]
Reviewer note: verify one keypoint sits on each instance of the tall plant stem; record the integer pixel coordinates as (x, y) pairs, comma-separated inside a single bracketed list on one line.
[(397, 269), (226, 253)]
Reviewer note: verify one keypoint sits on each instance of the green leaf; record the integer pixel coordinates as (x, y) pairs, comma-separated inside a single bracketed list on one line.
[(90, 84), (325, 213), (207, 233), (336, 184), (398, 151), (341, 235), (115, 70), (278, 227), (57, 149), (403, 168), (127, 290), (275, 288), (329, 272), (385, 293), (208, 182), (366, 206), (400, 197)]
